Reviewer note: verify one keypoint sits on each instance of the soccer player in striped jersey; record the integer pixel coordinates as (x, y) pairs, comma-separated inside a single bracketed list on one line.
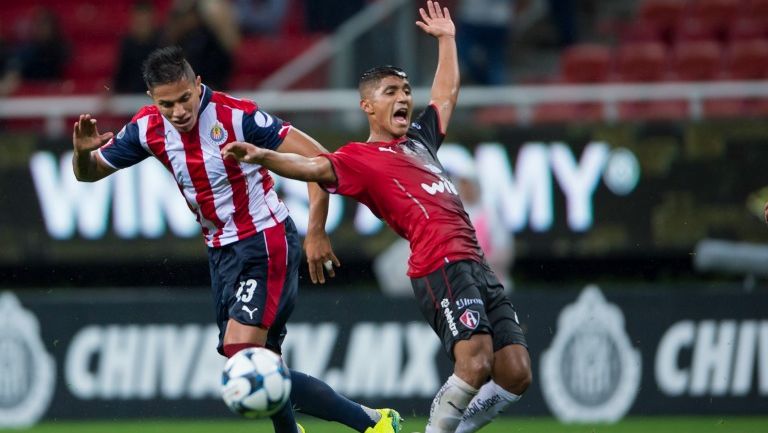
[(253, 245), (396, 174)]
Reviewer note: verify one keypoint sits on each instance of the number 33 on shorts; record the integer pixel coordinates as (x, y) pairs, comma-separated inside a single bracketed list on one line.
[(248, 286)]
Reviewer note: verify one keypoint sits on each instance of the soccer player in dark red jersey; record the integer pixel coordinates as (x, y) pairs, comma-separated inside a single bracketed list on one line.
[(396, 174), (253, 245)]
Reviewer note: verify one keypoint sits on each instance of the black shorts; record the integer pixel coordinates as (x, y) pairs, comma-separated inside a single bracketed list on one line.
[(255, 281), (465, 298)]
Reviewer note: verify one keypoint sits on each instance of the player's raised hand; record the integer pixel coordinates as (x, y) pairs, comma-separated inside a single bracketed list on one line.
[(241, 151), (85, 135), (436, 20)]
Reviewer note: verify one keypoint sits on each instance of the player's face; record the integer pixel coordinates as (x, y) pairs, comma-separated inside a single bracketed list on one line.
[(391, 103), (178, 102)]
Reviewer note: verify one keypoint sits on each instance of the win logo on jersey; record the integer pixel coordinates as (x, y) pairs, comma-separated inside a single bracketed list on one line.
[(444, 185)]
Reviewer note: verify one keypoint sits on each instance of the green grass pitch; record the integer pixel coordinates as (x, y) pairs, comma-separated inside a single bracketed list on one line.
[(725, 424)]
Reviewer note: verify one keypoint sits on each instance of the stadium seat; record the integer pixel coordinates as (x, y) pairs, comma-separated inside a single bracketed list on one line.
[(258, 57), (585, 63), (697, 61), (642, 62), (716, 14), (757, 9), (691, 28), (92, 66), (664, 14), (745, 60), (748, 60), (746, 28), (640, 31), (646, 62)]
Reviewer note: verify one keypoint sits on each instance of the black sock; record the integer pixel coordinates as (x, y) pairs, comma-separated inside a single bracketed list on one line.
[(314, 397)]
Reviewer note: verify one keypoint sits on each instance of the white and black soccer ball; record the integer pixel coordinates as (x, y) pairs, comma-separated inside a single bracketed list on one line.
[(256, 383)]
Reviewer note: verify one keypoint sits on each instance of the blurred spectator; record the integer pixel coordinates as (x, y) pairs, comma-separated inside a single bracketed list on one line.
[(8, 78), (484, 28), (261, 16), (326, 16), (497, 242), (563, 14), (44, 54), (208, 34), (142, 39)]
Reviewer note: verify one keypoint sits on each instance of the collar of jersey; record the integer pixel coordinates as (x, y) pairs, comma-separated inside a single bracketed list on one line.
[(205, 98), (390, 142)]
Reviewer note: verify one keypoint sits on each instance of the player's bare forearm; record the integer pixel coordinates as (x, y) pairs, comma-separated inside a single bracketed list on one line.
[(445, 88), (84, 166), (290, 165), (318, 208), (436, 21)]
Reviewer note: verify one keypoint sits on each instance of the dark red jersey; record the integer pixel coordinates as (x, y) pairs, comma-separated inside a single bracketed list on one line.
[(403, 183)]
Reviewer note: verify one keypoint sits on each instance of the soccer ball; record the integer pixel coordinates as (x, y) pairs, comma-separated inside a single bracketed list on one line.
[(256, 382)]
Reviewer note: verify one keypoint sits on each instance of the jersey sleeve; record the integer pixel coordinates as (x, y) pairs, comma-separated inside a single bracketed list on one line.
[(264, 130), (427, 129), (350, 172), (124, 149)]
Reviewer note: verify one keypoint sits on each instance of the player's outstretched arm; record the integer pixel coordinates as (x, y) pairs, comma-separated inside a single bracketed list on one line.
[(308, 169), (85, 139), (317, 244), (436, 21), (291, 165)]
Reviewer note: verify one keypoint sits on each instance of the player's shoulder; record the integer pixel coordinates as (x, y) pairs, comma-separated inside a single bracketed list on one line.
[(145, 111), (230, 101)]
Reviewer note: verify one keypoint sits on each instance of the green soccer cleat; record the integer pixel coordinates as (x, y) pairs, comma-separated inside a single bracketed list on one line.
[(300, 428), (390, 422)]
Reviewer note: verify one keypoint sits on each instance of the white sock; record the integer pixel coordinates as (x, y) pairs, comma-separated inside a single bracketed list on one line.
[(373, 414), (490, 401), (448, 405)]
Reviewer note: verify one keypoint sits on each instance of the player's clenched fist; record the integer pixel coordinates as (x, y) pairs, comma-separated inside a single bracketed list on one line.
[(245, 152)]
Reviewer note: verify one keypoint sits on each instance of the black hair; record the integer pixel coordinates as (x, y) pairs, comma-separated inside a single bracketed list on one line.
[(374, 75), (166, 65)]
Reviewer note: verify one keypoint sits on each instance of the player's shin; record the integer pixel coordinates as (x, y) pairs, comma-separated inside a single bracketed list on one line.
[(449, 405), (284, 421), (490, 401)]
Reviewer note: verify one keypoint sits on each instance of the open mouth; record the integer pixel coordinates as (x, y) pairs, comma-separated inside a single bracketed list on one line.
[(401, 116)]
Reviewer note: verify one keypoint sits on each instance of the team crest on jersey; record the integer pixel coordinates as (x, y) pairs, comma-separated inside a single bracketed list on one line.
[(218, 133), (470, 319)]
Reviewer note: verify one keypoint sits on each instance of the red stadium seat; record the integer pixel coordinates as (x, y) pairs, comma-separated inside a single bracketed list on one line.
[(691, 28), (716, 14), (664, 14), (640, 31), (756, 9), (585, 63), (642, 62), (646, 62), (748, 60), (746, 28), (697, 61), (258, 57)]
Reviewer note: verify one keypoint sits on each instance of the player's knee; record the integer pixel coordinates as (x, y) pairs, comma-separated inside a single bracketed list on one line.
[(475, 369), (515, 375)]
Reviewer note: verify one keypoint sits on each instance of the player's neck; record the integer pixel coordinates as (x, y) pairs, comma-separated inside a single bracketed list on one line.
[(382, 137)]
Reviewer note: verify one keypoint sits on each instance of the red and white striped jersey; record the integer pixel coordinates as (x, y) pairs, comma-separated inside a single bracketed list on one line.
[(231, 200)]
